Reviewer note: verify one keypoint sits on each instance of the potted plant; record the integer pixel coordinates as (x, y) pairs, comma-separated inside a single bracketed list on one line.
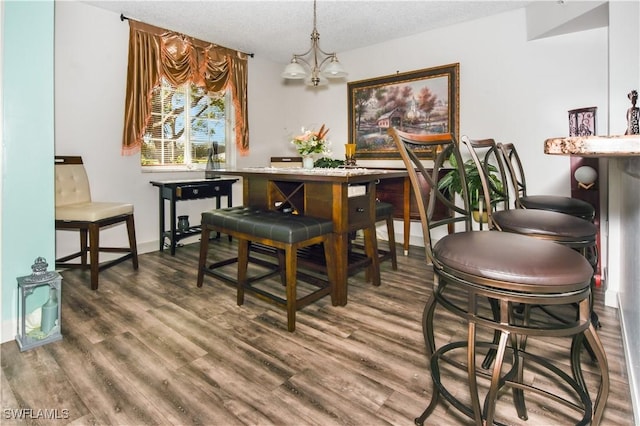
[(452, 183)]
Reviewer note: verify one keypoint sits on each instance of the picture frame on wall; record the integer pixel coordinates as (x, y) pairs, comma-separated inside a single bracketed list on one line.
[(424, 101), (582, 121)]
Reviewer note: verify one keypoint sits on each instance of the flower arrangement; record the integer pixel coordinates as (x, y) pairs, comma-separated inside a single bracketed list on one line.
[(310, 142)]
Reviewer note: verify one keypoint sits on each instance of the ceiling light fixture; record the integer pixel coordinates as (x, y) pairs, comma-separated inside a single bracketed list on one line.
[(320, 65)]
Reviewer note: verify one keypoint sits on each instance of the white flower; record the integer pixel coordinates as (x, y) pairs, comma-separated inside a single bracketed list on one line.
[(310, 142)]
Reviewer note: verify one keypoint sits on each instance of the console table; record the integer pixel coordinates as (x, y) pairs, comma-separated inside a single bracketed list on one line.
[(182, 190)]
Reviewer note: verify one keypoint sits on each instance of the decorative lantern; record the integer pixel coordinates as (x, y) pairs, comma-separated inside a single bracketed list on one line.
[(41, 325)]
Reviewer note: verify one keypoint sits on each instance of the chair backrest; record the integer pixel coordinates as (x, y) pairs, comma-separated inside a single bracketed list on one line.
[(286, 162), (516, 171), (443, 146), (72, 183), (488, 160)]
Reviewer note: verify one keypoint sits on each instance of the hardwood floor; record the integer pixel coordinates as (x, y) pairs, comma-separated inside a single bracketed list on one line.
[(150, 348)]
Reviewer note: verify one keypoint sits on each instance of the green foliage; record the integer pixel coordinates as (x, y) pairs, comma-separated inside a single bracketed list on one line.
[(328, 163), (453, 184)]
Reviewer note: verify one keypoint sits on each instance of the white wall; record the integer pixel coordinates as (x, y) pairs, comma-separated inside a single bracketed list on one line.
[(623, 285), (510, 89)]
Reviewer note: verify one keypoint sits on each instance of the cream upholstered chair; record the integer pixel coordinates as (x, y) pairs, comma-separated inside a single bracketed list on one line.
[(76, 211)]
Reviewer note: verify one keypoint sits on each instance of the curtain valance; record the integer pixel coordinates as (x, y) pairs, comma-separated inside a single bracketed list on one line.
[(155, 53)]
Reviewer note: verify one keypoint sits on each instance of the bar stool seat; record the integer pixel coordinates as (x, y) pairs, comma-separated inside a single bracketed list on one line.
[(555, 203), (546, 224), (567, 205)]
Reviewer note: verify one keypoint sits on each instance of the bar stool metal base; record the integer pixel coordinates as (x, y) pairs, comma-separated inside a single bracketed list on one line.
[(510, 350)]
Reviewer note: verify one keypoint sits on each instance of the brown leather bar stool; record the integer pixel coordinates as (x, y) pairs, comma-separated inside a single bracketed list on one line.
[(562, 228), (554, 203), (510, 270)]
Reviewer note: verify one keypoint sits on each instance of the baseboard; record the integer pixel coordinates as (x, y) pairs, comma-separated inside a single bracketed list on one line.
[(148, 247), (8, 330), (631, 363)]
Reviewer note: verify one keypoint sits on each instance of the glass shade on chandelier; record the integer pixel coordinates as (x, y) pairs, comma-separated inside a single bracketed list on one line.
[(294, 71), (318, 67)]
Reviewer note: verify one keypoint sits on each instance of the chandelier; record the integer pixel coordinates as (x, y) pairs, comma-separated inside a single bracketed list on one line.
[(320, 65)]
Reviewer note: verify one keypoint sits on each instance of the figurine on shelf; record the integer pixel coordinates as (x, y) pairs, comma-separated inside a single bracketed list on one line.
[(633, 115)]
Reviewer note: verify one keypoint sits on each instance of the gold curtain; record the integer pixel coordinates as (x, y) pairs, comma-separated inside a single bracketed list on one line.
[(155, 53)]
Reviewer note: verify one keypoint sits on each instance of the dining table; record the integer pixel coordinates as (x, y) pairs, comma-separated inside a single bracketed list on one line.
[(347, 196)]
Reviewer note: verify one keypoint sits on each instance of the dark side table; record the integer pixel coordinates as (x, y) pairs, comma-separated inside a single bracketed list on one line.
[(183, 190)]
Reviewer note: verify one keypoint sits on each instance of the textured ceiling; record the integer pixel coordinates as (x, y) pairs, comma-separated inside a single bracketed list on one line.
[(275, 29)]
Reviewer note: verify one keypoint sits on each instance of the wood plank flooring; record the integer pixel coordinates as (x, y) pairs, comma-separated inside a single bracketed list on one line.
[(150, 348)]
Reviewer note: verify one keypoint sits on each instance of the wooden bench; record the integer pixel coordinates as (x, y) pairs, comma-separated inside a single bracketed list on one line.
[(285, 232)]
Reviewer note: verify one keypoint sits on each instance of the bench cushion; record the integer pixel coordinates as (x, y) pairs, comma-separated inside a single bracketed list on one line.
[(274, 225)]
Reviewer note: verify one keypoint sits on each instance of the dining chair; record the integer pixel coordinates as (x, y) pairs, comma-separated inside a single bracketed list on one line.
[(556, 203), (474, 271), (76, 211), (384, 212)]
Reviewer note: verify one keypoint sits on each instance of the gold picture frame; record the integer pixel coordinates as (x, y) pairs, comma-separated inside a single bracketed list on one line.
[(422, 101)]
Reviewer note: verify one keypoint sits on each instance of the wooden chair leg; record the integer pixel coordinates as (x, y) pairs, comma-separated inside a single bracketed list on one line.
[(243, 264), (392, 243), (329, 257), (291, 266), (94, 254), (371, 249), (204, 249), (83, 246), (281, 265), (131, 232)]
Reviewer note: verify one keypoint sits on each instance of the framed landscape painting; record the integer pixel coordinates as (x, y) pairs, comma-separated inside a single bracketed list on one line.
[(424, 101)]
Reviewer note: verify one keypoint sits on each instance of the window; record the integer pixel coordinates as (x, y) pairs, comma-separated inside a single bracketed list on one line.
[(186, 122)]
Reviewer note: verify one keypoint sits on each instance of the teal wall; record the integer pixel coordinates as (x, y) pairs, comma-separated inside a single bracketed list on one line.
[(28, 144)]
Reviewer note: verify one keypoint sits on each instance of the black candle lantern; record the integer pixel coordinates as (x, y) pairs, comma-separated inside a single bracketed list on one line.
[(39, 325)]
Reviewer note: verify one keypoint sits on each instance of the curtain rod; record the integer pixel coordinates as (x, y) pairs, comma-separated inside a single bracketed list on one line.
[(122, 18)]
